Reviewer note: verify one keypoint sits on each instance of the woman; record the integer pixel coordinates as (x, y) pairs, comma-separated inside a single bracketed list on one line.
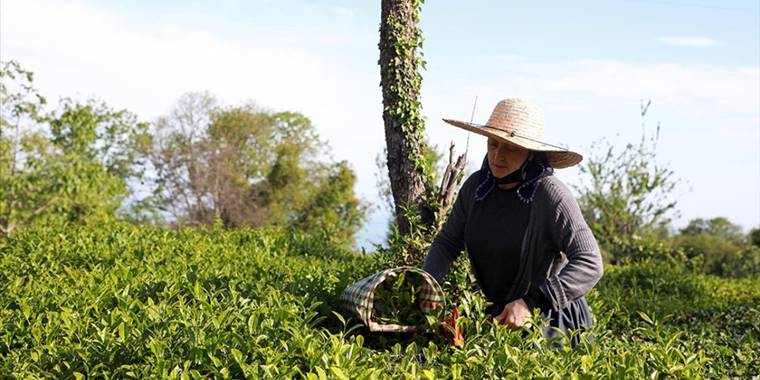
[(528, 243)]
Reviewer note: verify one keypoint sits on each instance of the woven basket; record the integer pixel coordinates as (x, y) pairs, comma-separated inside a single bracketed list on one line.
[(359, 298)]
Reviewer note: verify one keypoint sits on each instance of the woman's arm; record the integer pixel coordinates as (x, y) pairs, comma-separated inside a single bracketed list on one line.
[(449, 242), (572, 236)]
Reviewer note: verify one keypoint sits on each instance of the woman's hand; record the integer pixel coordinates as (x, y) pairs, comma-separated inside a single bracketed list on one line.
[(515, 314)]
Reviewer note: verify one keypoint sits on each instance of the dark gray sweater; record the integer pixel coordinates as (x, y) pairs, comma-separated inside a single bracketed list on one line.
[(559, 257)]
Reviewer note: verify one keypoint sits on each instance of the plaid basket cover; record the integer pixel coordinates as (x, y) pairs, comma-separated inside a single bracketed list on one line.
[(359, 297)]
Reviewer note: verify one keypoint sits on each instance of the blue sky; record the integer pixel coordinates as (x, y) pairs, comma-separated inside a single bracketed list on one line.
[(588, 64)]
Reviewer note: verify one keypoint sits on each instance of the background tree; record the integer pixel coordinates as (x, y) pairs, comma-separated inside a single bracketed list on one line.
[(719, 227), (334, 210), (246, 166), (20, 104), (626, 194), (73, 164), (721, 245), (754, 237)]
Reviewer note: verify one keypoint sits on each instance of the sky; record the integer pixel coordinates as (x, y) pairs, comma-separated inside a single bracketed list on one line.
[(588, 64)]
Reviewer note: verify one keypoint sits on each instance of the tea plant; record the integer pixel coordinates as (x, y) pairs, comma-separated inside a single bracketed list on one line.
[(398, 300), (118, 301)]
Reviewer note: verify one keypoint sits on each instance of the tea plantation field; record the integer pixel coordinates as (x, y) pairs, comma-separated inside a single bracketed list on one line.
[(120, 301)]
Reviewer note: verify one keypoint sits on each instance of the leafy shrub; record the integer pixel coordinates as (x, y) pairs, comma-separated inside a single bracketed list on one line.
[(718, 315), (723, 247), (626, 192), (754, 237), (718, 227), (73, 164), (637, 248), (119, 301), (410, 248), (715, 252), (743, 263)]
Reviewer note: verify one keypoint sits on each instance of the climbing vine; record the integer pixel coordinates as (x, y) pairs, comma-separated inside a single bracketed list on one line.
[(405, 84), (420, 206)]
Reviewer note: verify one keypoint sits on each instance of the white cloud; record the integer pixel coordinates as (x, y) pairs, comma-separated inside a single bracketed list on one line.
[(509, 57), (343, 12), (75, 48), (600, 86), (690, 41)]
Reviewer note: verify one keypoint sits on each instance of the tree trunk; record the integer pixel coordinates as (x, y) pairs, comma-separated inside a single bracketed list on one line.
[(404, 126)]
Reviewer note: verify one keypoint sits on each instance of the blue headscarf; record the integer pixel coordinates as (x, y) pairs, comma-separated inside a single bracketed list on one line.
[(533, 170)]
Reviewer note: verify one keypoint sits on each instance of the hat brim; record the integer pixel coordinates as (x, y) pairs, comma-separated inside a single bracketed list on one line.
[(558, 158)]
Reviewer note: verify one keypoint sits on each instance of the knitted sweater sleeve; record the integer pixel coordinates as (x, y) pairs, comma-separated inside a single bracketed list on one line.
[(448, 244), (572, 236)]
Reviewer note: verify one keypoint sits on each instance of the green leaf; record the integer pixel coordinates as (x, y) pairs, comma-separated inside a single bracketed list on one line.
[(340, 317), (122, 332), (338, 373)]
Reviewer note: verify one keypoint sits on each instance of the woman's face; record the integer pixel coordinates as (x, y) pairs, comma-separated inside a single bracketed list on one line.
[(504, 158)]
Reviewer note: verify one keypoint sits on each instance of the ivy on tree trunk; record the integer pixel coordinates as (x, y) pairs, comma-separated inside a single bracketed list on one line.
[(411, 177)]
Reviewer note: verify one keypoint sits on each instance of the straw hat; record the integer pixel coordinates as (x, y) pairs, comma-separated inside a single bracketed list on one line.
[(521, 123)]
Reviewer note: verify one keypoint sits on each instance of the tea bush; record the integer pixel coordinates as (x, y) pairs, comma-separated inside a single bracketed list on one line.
[(720, 256), (119, 301)]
